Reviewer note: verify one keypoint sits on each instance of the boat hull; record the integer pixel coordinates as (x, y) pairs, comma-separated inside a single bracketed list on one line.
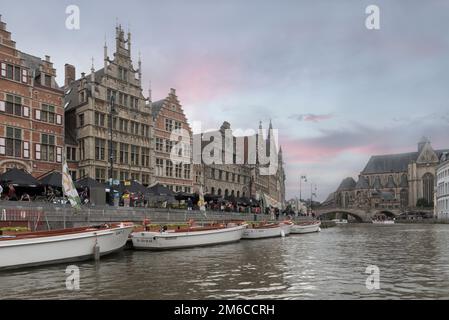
[(20, 253), (383, 222), (263, 233), (178, 240), (305, 228)]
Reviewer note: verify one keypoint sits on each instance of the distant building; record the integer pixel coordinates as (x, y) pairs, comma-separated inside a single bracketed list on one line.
[(242, 179), (31, 111), (396, 181), (442, 186), (169, 118), (88, 110)]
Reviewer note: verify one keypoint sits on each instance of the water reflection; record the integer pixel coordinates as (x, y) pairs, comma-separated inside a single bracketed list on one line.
[(413, 261)]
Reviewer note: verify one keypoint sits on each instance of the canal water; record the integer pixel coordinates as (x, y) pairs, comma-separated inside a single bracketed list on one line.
[(413, 261)]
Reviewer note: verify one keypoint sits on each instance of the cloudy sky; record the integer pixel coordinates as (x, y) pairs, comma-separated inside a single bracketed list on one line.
[(336, 91)]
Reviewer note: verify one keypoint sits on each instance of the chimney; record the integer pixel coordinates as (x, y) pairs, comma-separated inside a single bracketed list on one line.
[(172, 91), (69, 74), (47, 58)]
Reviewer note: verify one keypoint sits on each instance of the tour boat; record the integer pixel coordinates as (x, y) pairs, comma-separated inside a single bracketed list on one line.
[(306, 227), (383, 221), (190, 236), (267, 230), (340, 221), (57, 246)]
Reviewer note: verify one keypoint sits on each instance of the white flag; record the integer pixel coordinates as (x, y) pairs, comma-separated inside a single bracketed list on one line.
[(68, 187)]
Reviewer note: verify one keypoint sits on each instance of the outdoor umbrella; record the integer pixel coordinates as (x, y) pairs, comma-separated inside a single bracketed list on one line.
[(53, 179), (88, 182), (158, 192), (132, 186), (19, 178), (185, 196)]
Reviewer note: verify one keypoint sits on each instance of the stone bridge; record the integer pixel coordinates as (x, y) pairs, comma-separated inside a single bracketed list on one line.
[(361, 215)]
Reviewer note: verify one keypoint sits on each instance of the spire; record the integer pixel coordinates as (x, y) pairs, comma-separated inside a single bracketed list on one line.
[(149, 93), (140, 68), (129, 41), (105, 55), (92, 71)]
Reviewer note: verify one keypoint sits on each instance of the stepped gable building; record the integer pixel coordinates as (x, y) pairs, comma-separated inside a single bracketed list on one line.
[(88, 109), (394, 181), (169, 118), (31, 110), (442, 194)]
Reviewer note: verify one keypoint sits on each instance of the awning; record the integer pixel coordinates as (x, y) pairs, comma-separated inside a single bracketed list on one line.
[(271, 202)]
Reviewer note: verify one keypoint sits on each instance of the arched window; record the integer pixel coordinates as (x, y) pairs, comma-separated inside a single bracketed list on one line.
[(232, 193), (226, 192), (212, 190), (427, 187), (238, 194), (219, 192)]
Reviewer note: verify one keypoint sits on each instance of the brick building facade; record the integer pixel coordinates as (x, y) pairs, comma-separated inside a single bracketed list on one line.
[(169, 117), (31, 111)]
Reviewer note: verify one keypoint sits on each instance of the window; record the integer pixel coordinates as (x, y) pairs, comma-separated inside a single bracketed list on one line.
[(81, 120), (124, 175), (168, 125), (48, 113), (13, 105), (47, 80), (13, 142), (124, 153), (145, 157), (159, 167), (169, 168), (187, 171), (100, 174), (100, 149), (12, 72), (122, 74), (99, 119), (177, 125), (135, 155), (47, 147), (168, 146), (178, 170), (159, 144), (71, 154)]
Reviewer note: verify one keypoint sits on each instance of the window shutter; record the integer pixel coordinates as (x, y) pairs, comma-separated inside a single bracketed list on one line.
[(26, 149), (26, 111), (58, 119), (3, 69), (38, 151), (2, 146), (2, 106), (58, 154), (38, 114), (24, 76)]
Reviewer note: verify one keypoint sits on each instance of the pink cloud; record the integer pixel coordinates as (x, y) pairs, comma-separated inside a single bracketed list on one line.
[(310, 117)]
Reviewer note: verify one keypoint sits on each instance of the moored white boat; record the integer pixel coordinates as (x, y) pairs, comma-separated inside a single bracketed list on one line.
[(340, 221), (56, 246), (383, 221), (306, 227), (190, 237), (269, 230)]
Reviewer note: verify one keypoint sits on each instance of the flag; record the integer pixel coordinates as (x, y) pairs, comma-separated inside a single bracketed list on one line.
[(68, 187)]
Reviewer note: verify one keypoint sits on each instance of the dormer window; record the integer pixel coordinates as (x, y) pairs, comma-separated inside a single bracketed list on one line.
[(122, 74), (47, 80)]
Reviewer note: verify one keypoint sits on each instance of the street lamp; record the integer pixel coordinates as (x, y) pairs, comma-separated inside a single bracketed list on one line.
[(111, 149), (301, 178)]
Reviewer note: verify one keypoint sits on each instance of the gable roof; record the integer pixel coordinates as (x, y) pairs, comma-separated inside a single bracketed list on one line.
[(347, 184)]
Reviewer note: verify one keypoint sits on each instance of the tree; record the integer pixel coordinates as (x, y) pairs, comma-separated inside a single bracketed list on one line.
[(423, 203)]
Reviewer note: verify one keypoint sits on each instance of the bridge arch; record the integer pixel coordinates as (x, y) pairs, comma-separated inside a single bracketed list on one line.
[(356, 215)]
